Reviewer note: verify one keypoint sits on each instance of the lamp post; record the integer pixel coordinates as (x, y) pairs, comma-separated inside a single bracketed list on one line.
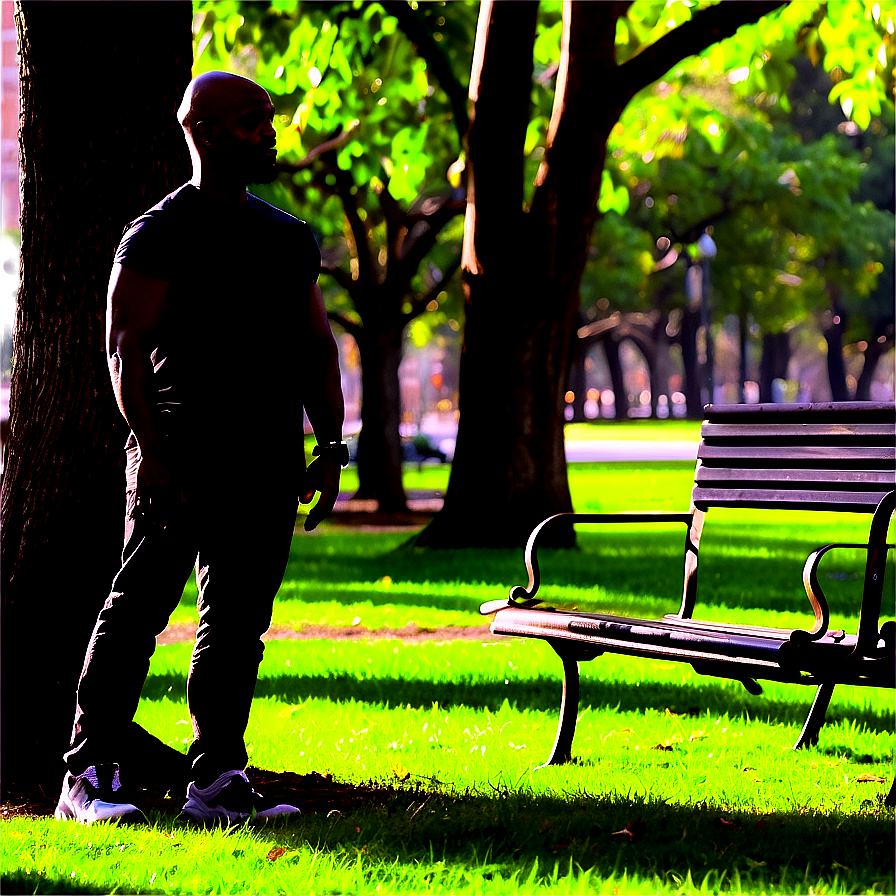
[(706, 251)]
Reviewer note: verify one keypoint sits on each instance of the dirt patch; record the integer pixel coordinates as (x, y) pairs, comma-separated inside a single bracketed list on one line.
[(186, 631)]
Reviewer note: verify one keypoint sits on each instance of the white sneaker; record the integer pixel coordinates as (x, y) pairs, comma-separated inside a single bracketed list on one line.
[(96, 795), (230, 800)]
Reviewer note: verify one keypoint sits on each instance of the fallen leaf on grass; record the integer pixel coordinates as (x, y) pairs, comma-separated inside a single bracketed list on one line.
[(275, 853), (728, 824), (871, 779), (634, 830)]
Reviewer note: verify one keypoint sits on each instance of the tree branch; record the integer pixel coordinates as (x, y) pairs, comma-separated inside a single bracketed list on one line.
[(703, 30), (344, 184), (419, 303), (330, 145)]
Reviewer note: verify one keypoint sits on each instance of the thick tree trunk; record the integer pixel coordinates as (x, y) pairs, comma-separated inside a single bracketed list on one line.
[(99, 143), (379, 444), (509, 469)]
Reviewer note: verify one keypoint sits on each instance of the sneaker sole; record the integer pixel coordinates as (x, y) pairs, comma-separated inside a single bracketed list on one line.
[(115, 813)]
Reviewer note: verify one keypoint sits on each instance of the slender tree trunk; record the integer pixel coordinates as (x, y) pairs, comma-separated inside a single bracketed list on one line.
[(833, 336), (617, 377), (773, 365), (379, 444), (99, 143), (877, 347)]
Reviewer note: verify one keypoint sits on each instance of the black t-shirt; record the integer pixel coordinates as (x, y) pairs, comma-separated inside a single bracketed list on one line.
[(239, 278)]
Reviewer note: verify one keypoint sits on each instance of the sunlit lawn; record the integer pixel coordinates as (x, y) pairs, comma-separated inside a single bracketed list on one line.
[(683, 784)]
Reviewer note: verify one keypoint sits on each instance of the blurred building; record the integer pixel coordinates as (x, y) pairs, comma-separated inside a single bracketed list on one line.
[(9, 119)]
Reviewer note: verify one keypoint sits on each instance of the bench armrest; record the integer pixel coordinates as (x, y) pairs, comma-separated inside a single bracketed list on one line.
[(868, 634), (525, 597), (816, 595)]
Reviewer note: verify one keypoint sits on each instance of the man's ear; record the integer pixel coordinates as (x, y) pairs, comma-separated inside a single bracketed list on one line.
[(204, 132)]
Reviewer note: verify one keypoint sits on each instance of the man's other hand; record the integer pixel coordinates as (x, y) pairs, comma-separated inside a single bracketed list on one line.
[(159, 495), (321, 476)]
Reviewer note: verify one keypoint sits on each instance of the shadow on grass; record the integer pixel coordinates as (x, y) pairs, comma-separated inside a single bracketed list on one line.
[(608, 836), (647, 564), (507, 831), (20, 882), (542, 694)]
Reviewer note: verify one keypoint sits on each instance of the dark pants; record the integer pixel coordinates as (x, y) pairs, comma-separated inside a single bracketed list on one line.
[(235, 528)]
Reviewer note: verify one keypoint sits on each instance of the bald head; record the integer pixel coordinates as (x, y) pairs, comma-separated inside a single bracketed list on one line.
[(228, 124), (213, 95)]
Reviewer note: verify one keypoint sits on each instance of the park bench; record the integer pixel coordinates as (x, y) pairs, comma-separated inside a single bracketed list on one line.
[(811, 457)]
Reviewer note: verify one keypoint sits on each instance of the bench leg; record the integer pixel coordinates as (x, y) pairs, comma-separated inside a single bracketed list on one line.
[(809, 735), (569, 709)]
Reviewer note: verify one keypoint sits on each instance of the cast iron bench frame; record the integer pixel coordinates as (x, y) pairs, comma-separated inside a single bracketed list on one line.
[(826, 457)]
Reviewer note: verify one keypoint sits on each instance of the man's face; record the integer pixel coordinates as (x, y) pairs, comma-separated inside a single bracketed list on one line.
[(246, 139)]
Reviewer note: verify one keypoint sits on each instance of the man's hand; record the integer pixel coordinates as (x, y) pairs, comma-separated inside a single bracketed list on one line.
[(321, 476), (159, 495)]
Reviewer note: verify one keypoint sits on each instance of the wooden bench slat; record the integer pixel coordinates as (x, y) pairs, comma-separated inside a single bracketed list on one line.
[(804, 431), (841, 411), (858, 479), (864, 502), (797, 453)]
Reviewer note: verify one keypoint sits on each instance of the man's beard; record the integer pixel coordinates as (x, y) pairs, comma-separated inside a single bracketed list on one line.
[(260, 168), (263, 171)]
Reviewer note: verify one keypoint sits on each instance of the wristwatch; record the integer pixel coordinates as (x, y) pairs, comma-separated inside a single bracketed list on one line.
[(341, 449)]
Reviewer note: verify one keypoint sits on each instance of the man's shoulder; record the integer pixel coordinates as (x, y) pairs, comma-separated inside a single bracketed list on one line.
[(272, 213), (174, 203)]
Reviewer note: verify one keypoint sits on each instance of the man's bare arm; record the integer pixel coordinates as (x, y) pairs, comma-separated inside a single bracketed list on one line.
[(324, 405), (135, 304)]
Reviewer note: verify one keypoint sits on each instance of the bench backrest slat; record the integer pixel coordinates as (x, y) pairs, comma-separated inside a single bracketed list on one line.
[(840, 456)]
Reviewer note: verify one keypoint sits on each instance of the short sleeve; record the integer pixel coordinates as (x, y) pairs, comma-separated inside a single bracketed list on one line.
[(310, 252), (145, 247)]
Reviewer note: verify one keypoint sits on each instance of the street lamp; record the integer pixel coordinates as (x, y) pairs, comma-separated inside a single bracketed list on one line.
[(706, 251)]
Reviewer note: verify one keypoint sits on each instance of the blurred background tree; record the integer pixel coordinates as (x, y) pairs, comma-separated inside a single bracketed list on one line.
[(707, 172), (371, 102)]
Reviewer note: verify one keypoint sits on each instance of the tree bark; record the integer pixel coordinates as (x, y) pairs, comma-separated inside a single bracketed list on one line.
[(99, 143)]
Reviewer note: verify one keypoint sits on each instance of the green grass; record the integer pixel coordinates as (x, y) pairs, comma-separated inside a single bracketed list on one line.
[(683, 784)]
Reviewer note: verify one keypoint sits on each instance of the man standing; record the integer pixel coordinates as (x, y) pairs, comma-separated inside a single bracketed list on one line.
[(212, 360)]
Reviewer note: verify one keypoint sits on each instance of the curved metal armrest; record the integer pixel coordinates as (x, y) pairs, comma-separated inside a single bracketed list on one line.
[(816, 595), (525, 597)]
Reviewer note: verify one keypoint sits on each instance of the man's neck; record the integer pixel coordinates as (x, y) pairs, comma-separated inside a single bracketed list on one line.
[(218, 188)]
